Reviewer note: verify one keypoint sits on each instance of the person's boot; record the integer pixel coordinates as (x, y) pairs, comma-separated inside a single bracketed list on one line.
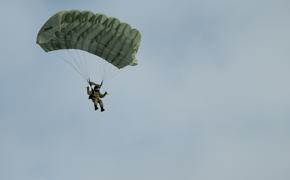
[(96, 107), (102, 109)]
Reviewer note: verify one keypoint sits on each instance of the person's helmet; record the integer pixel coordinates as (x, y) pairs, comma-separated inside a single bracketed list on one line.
[(97, 87)]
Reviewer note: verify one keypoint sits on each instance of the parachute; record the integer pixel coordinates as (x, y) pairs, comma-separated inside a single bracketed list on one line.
[(114, 41)]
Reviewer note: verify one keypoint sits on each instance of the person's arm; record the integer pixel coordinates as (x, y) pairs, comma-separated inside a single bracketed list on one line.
[(103, 95), (88, 90)]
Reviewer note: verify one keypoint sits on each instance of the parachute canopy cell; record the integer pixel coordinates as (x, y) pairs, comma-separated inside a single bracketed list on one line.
[(114, 41)]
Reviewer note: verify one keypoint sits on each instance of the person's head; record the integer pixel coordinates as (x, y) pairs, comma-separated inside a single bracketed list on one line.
[(97, 87)]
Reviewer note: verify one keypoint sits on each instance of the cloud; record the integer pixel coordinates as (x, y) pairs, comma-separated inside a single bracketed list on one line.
[(209, 99)]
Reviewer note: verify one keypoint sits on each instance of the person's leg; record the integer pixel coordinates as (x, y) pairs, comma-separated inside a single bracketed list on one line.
[(101, 105), (96, 105)]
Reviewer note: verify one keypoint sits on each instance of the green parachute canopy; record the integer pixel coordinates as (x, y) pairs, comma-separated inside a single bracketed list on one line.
[(114, 41)]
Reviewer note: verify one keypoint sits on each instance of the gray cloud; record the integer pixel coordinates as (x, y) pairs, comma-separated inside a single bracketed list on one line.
[(209, 99)]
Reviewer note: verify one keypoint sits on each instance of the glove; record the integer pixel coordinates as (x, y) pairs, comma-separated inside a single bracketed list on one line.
[(89, 81)]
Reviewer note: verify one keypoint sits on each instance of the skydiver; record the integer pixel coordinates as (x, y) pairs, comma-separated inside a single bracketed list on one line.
[(95, 95)]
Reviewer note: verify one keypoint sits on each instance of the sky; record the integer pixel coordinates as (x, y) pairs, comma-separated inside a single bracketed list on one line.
[(209, 99)]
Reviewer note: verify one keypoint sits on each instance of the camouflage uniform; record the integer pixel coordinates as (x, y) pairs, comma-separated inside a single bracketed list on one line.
[(95, 95)]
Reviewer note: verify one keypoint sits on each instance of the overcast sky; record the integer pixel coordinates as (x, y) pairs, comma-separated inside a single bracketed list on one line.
[(209, 99)]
